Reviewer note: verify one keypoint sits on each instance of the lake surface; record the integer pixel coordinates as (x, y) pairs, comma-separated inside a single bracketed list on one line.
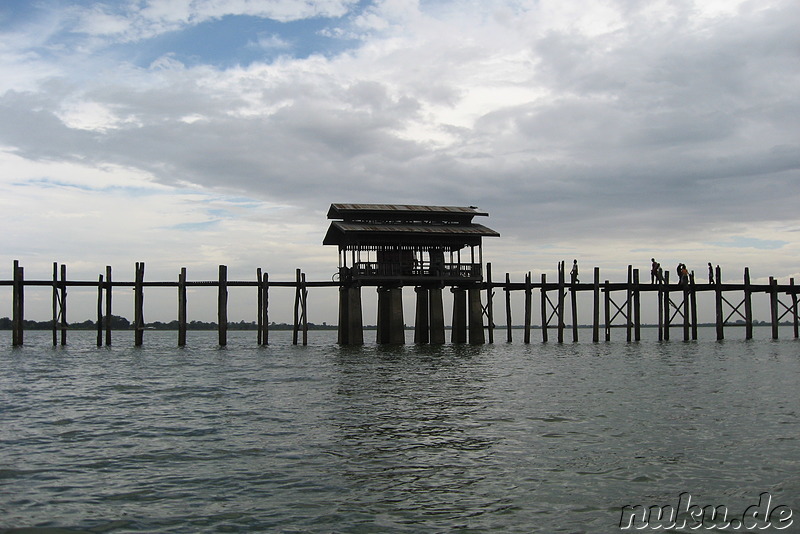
[(322, 438)]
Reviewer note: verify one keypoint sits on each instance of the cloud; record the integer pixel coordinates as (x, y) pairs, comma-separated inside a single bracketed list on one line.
[(613, 130)]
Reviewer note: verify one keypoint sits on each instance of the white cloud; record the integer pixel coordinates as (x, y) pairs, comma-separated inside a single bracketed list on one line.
[(610, 131)]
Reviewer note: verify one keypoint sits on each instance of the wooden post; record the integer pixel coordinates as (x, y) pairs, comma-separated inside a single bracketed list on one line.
[(508, 308), (265, 336), (138, 303), (304, 307), (528, 308), (560, 314), (686, 315), (720, 317), (475, 314), (422, 332), (629, 305), (574, 302), (773, 305), (100, 311), (108, 305), (296, 324), (637, 316), (17, 305), (222, 305), (182, 308), (489, 303), (667, 306), (794, 307), (693, 305), (596, 307), (607, 304), (63, 288), (355, 332), (56, 304), (748, 305), (544, 308), (458, 334), (660, 310), (436, 315), (260, 304)]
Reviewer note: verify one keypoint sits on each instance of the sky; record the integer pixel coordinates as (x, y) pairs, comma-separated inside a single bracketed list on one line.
[(193, 133)]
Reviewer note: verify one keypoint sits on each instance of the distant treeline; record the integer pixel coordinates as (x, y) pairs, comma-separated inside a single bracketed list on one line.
[(121, 323)]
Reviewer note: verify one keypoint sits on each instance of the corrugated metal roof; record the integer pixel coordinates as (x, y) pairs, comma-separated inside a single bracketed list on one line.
[(337, 209), (434, 229)]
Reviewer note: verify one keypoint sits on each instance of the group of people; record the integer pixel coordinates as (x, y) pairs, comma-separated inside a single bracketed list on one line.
[(657, 273)]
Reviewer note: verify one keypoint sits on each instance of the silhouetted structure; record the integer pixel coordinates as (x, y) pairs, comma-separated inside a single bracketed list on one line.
[(390, 246)]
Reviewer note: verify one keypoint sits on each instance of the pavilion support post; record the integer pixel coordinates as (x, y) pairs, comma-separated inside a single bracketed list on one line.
[(355, 327), (391, 329), (458, 333), (544, 308), (222, 306), (560, 313), (508, 308), (720, 318), (489, 303), (108, 305), (182, 307), (422, 329), (667, 306), (637, 307), (17, 305), (607, 309), (436, 316), (475, 311), (63, 292), (596, 306), (528, 308), (629, 306), (748, 305), (693, 305), (773, 306), (100, 311), (138, 304)]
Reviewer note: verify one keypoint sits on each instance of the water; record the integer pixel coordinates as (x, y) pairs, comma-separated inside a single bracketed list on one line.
[(501, 438)]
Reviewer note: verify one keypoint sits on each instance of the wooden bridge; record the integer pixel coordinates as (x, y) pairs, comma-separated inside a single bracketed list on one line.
[(619, 304)]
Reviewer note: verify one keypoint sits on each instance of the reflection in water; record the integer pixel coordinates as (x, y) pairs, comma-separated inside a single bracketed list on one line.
[(504, 437)]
